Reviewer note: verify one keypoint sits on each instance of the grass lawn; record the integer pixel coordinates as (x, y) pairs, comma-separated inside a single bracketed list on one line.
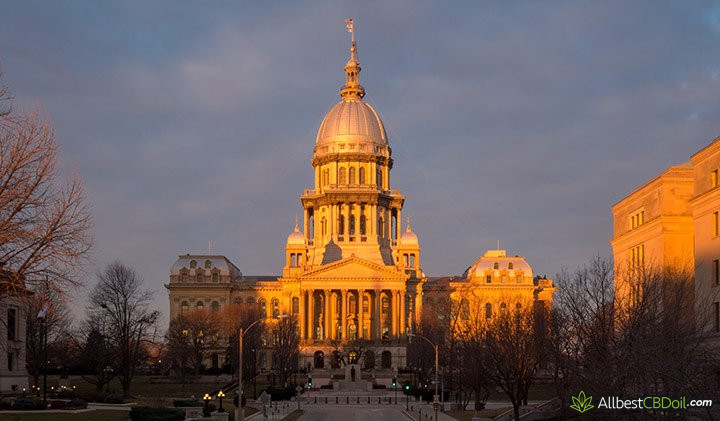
[(144, 391), (70, 416), (467, 415)]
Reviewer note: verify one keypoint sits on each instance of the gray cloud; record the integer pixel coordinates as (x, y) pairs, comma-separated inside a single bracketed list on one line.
[(519, 122)]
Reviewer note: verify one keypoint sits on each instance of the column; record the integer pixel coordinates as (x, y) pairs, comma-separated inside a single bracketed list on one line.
[(306, 231), (302, 313), (393, 313), (372, 220), (376, 317), (326, 316), (346, 216), (399, 223), (331, 223), (343, 314), (311, 314), (361, 313), (418, 306), (403, 315)]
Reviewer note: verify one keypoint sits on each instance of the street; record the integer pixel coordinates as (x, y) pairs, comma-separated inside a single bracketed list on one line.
[(352, 413)]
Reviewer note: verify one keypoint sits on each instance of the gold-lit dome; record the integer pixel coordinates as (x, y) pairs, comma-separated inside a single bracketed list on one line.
[(296, 238), (408, 238), (352, 122)]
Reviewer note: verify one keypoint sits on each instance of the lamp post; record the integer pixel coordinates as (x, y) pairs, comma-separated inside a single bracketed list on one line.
[(220, 397), (436, 400), (42, 315), (108, 372), (206, 409), (240, 410)]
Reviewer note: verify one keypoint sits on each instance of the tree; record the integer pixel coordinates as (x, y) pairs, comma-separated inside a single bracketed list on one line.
[(97, 358), (286, 338), (194, 333), (240, 316), (45, 220), (514, 352), (57, 324), (119, 301)]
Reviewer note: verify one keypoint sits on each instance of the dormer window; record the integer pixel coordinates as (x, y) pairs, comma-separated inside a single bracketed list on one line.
[(208, 264), (216, 277), (496, 265), (193, 264), (510, 265)]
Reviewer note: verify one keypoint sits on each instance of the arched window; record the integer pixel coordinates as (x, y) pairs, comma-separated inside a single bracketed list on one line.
[(518, 306), (361, 176), (319, 359), (464, 309), (342, 176), (293, 260), (275, 308), (193, 264), (362, 225), (250, 300), (326, 177), (381, 227), (341, 222), (296, 305), (353, 305), (488, 279), (412, 260), (496, 265), (386, 358), (488, 310), (263, 307), (322, 226), (351, 224), (199, 305), (351, 175), (379, 179), (215, 306), (369, 360), (503, 307), (237, 300), (385, 306), (199, 277), (184, 307), (510, 265), (208, 264)]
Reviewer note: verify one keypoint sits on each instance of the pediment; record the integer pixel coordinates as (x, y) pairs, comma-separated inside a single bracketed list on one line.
[(354, 268)]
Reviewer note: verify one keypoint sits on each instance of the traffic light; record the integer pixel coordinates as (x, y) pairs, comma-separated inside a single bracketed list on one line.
[(394, 382), (309, 382), (406, 388)]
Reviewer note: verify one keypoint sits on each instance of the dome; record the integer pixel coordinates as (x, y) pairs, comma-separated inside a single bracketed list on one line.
[(351, 120), (296, 238), (496, 261), (408, 238)]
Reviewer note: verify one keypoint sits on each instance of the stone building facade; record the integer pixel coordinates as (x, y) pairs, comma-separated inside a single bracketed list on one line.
[(351, 274)]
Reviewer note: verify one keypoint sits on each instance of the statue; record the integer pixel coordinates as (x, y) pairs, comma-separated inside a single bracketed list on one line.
[(352, 373)]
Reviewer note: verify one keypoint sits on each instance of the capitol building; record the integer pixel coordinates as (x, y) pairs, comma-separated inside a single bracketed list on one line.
[(353, 269)]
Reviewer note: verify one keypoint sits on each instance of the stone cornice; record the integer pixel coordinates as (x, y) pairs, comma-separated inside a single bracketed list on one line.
[(352, 157)]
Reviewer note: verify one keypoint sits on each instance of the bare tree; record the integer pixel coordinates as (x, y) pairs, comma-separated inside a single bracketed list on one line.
[(240, 316), (97, 357), (119, 300), (45, 220), (56, 325), (286, 347), (195, 333)]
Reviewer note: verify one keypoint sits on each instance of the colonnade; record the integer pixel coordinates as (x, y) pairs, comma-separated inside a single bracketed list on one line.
[(349, 314)]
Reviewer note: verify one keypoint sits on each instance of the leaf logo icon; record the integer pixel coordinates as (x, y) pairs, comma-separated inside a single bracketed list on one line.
[(581, 403)]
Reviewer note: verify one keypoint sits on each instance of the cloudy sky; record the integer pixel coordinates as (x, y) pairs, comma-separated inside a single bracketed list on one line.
[(524, 122)]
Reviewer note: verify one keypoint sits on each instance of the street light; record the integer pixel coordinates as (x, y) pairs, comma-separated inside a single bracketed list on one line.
[(42, 315), (436, 400), (240, 410), (108, 372), (220, 396), (206, 410)]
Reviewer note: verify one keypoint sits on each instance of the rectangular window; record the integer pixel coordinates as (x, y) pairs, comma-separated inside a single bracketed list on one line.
[(11, 361), (714, 179), (716, 227), (716, 317), (489, 279), (716, 272), (11, 324), (637, 219)]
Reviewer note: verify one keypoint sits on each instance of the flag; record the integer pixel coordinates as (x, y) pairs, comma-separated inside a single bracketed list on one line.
[(349, 25)]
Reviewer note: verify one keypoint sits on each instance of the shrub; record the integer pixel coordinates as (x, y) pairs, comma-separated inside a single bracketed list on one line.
[(113, 398), (185, 403), (146, 413), (91, 396), (282, 394), (76, 404), (66, 394), (57, 404), (5, 404), (27, 404), (379, 386)]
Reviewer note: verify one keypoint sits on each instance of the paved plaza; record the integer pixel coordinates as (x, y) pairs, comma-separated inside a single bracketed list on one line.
[(352, 413)]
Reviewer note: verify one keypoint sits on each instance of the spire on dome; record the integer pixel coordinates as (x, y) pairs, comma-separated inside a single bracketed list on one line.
[(407, 229), (352, 88), (297, 228)]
